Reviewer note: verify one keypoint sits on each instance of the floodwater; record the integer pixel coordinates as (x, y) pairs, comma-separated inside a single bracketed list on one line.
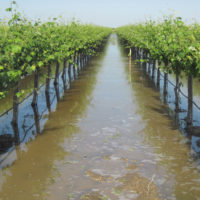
[(110, 137)]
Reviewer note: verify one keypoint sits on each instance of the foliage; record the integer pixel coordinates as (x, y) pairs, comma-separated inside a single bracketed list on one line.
[(170, 41), (26, 46)]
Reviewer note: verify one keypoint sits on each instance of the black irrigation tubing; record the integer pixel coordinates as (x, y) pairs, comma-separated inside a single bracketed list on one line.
[(30, 127), (181, 92), (7, 154), (6, 112), (41, 115), (11, 150), (22, 102)]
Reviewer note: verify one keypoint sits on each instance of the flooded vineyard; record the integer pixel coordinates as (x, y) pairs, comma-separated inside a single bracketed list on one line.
[(109, 135)]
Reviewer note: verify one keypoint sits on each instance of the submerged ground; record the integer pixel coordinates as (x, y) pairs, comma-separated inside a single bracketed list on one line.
[(109, 138)]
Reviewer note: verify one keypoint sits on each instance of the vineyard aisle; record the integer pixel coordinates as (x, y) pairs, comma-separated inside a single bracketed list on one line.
[(109, 138)]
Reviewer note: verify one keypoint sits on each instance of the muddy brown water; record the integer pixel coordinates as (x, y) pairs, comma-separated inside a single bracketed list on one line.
[(109, 138)]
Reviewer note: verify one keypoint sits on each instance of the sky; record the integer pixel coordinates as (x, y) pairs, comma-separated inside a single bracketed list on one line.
[(112, 13)]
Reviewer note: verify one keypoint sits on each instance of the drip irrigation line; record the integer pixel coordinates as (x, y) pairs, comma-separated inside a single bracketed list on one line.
[(30, 127), (6, 112), (25, 134), (181, 92), (7, 154), (41, 115)]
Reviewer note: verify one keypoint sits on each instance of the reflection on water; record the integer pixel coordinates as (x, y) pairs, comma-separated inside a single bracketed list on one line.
[(32, 115), (34, 166), (109, 137), (162, 134), (177, 106)]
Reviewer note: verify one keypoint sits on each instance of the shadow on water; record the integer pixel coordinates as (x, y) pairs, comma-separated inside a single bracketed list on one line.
[(32, 119), (37, 158), (174, 106), (162, 132), (110, 137)]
